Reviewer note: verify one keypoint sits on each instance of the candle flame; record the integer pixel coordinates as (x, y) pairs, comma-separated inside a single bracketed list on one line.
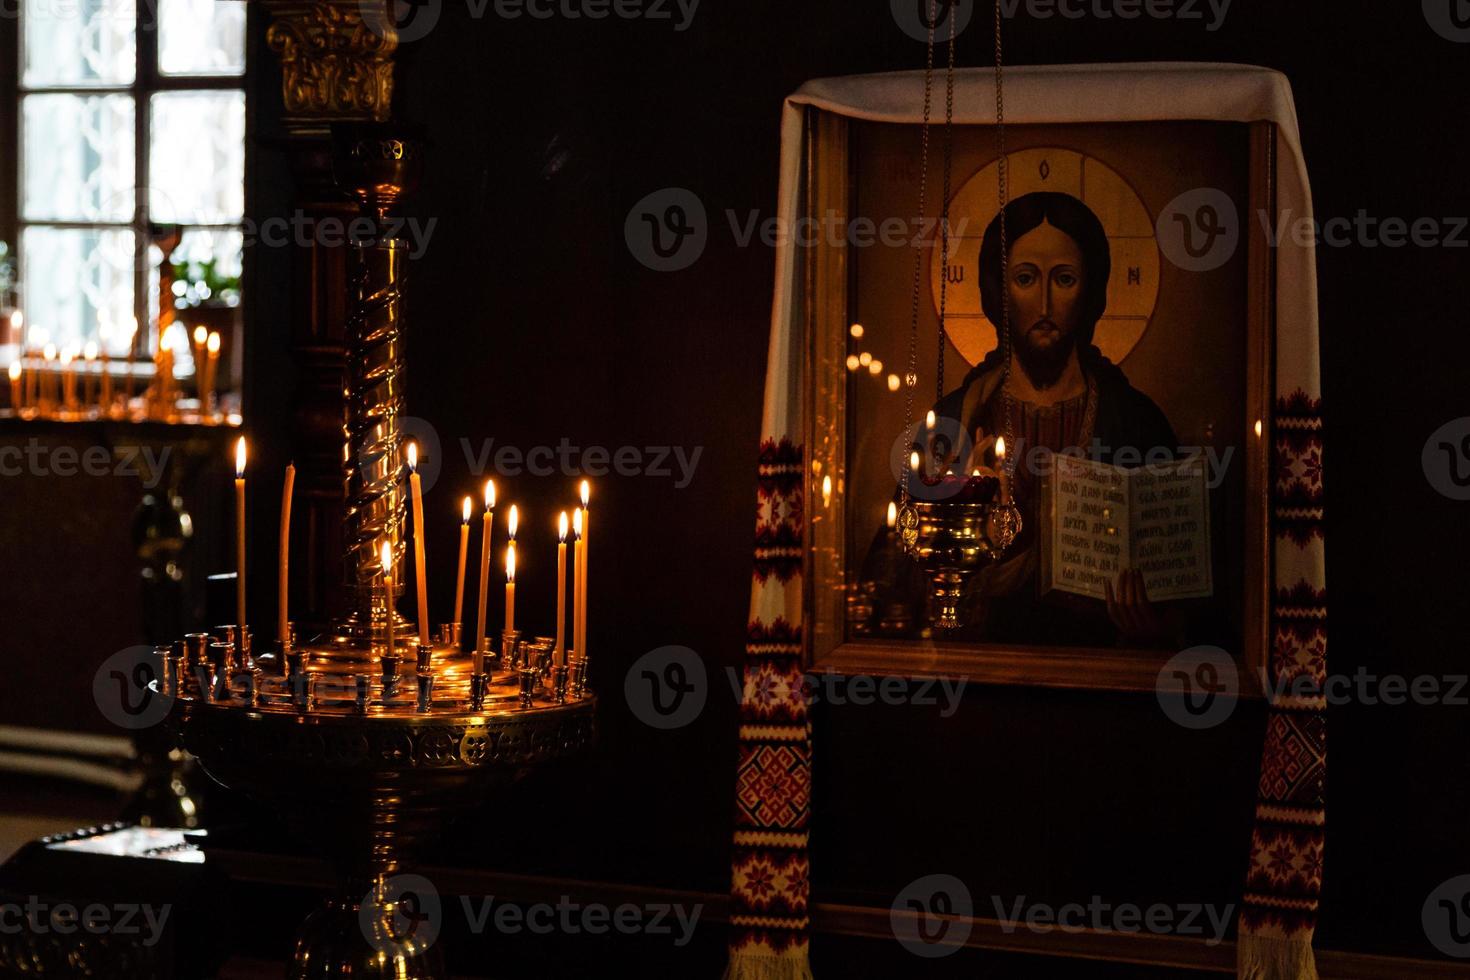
[(914, 461), (1000, 447), (89, 350), (66, 356), (586, 493), (49, 352), (413, 456), (240, 459), (826, 490), (1259, 427), (467, 504), (17, 319), (201, 335), (561, 525), (387, 558), (489, 494), (892, 514), (929, 419), (513, 522), (577, 523), (212, 343), (15, 376), (510, 562)]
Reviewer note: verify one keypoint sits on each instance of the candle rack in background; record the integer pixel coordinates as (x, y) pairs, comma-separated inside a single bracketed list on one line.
[(363, 751)]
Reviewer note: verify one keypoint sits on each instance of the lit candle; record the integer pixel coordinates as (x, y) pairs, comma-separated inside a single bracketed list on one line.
[(282, 630), (416, 492), (68, 379), (387, 560), (510, 586), (211, 371), (89, 354), (15, 403), (17, 322), (512, 522), (577, 581), (240, 534), (1000, 465), (48, 380), (201, 338), (586, 550), (104, 336), (561, 589), (464, 551), (487, 526), (128, 357), (892, 515)]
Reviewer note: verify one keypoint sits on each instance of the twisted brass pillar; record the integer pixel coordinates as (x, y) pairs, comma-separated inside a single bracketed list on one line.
[(378, 167)]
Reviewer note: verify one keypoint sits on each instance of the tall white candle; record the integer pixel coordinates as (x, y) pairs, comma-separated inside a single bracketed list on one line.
[(561, 590), (487, 527)]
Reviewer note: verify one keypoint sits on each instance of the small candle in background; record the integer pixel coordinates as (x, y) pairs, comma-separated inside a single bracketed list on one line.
[(104, 340), (386, 557), (15, 388), (486, 529), (1000, 466), (17, 327), (586, 550), (128, 342), (561, 589), (201, 339), (464, 551), (283, 617), (211, 372), (577, 581), (510, 586), (89, 376), (416, 494), (68, 379), (48, 379), (240, 534)]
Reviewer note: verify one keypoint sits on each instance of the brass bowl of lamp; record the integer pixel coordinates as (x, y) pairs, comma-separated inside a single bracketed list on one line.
[(968, 526)]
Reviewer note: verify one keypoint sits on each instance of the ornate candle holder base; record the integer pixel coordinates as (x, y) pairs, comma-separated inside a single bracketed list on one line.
[(365, 764), (952, 540)]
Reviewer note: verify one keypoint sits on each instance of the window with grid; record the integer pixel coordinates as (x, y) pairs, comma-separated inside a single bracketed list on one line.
[(129, 191)]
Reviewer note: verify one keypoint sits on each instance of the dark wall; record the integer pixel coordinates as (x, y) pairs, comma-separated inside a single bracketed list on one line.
[(533, 323)]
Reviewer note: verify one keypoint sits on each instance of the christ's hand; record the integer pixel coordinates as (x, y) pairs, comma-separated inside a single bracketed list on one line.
[(1137, 619)]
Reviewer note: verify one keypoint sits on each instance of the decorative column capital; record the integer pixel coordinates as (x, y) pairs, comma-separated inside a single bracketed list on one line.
[(336, 60)]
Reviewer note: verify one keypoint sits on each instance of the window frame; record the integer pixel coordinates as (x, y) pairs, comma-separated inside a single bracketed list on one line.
[(148, 81)]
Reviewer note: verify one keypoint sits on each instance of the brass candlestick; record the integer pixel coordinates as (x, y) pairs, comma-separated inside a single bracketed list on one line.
[(952, 540), (361, 759)]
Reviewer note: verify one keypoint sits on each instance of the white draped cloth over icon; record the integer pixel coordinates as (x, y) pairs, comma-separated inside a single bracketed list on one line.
[(771, 872)]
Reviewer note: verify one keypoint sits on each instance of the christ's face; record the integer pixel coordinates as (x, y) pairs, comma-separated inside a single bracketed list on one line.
[(1046, 289)]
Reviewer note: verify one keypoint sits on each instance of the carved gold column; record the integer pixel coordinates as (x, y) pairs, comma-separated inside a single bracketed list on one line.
[(336, 60)]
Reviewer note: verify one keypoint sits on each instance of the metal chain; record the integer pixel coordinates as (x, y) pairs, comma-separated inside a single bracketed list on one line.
[(1003, 186), (911, 378), (944, 216)]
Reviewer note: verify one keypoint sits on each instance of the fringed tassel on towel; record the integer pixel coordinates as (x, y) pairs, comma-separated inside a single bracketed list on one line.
[(764, 965), (1273, 958)]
